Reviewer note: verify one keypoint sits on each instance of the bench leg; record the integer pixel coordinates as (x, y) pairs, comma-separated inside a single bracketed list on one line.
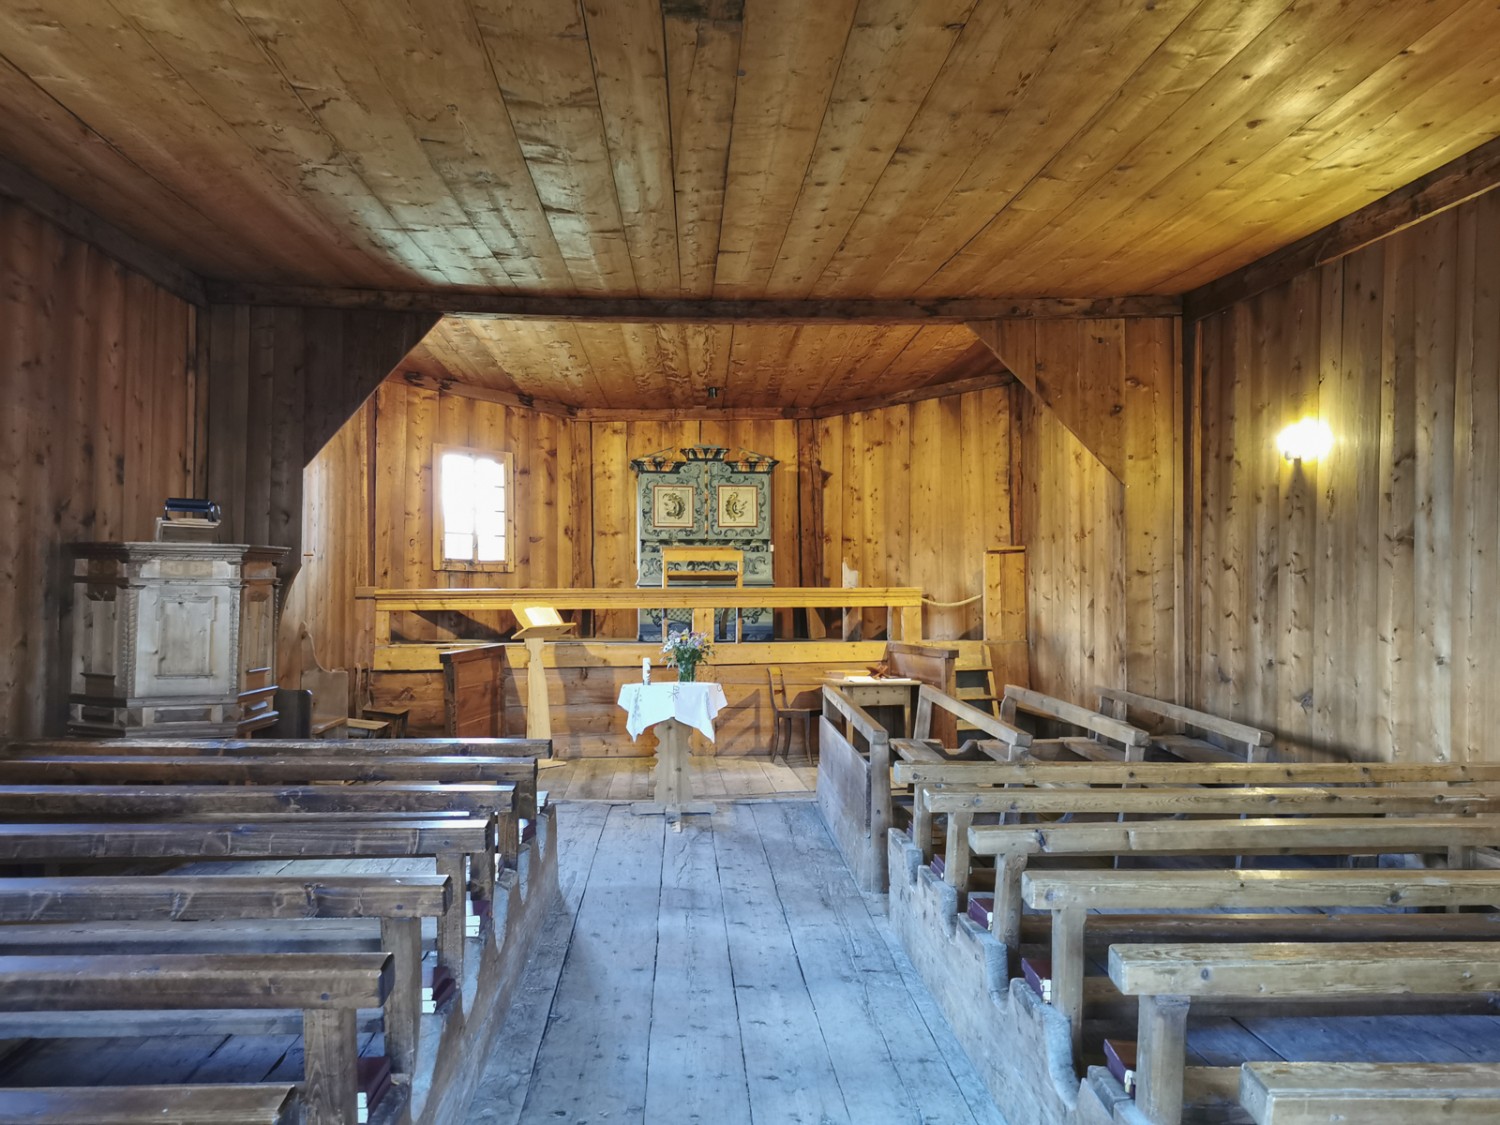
[(330, 1078), (450, 928), (402, 938), (921, 822), (956, 860), (1006, 922), (1161, 1043), (1067, 971)]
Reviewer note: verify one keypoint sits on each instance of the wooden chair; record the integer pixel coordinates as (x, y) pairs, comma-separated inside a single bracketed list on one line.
[(786, 715)]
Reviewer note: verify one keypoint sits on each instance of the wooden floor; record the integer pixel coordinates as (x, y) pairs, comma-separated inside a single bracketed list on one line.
[(728, 972), (629, 779)]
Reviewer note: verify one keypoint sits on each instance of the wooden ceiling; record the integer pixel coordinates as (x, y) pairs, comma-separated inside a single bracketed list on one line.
[(739, 148), (671, 366), (735, 150)]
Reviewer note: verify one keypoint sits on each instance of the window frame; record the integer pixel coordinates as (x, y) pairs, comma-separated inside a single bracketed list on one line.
[(439, 516)]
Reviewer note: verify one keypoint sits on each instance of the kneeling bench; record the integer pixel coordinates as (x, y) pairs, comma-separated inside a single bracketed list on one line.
[(274, 1104)]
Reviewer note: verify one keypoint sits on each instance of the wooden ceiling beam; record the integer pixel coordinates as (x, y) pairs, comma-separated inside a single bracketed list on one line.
[(997, 378), (648, 310), (1456, 182), (19, 184)]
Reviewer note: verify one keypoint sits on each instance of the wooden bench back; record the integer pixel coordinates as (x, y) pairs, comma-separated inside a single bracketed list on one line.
[(1196, 773), (281, 747), (1131, 739), (932, 703), (158, 801), (1247, 743)]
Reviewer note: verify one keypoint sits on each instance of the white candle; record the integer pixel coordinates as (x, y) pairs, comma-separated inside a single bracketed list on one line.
[(645, 669)]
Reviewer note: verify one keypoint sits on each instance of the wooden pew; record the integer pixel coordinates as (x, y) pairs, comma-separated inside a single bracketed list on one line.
[(1102, 739), (143, 802), (1168, 978), (449, 841), (31, 907), (250, 1104), (1317, 1093), (1069, 895), (960, 805), (1207, 738), (1026, 771), (281, 747), (329, 989), (1012, 845)]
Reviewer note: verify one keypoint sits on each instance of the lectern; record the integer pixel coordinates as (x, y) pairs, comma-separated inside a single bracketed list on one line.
[(539, 624)]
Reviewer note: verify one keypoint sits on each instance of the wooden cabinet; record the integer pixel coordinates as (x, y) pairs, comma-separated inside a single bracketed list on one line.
[(173, 639)]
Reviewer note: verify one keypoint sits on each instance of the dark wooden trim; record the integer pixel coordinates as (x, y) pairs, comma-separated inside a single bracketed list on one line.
[(998, 378), (1454, 183), (647, 310), (20, 185)]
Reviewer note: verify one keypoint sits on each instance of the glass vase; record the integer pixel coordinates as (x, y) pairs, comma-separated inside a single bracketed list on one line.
[(687, 673)]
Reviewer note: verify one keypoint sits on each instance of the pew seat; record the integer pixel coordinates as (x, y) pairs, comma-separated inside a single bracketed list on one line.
[(1167, 979), (250, 1104), (1320, 1093), (1070, 894), (328, 989)]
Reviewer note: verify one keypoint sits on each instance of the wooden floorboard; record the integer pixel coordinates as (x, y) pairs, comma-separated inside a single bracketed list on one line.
[(712, 776), (728, 972)]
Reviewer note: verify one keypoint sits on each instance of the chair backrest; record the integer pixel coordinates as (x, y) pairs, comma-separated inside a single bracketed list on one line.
[(778, 689)]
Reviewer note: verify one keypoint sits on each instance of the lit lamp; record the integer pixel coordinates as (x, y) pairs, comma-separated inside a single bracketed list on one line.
[(1305, 440)]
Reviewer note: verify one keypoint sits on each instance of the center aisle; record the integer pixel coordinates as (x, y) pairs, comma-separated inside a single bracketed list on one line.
[(727, 973)]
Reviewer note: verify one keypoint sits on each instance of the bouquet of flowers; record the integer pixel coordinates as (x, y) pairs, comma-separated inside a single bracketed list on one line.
[(687, 651)]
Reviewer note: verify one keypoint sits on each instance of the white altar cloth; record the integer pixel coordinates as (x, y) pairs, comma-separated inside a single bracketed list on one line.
[(695, 704)]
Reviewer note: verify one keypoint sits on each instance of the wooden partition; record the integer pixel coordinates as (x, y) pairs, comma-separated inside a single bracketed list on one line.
[(473, 695), (854, 785)]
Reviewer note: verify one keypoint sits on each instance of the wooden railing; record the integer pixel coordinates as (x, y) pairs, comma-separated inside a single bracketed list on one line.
[(903, 604)]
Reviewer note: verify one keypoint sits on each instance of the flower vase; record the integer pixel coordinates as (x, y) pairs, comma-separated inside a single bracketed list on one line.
[(687, 673)]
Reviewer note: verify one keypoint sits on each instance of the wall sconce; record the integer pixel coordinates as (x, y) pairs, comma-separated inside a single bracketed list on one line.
[(1305, 440)]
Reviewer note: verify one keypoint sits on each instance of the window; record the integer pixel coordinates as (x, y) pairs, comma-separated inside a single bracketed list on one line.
[(472, 530)]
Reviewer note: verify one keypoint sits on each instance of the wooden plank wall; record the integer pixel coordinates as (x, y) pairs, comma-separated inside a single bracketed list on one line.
[(1353, 605), (1073, 524), (913, 495), (100, 424), (1103, 565)]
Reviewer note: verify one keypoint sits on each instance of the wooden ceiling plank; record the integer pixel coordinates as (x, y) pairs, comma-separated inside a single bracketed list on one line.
[(1341, 48), (927, 357), (96, 64), (626, 40), (758, 360), (862, 364), (703, 57), (540, 56), (999, 51), (1306, 175), (335, 62), (1471, 175), (1267, 235), (788, 61), (1049, 113), (548, 360), (437, 68), (707, 348), (62, 152), (1187, 60), (820, 355), (230, 65), (896, 50), (646, 310)]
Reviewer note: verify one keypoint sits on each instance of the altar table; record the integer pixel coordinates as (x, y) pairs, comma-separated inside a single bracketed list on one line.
[(673, 709)]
